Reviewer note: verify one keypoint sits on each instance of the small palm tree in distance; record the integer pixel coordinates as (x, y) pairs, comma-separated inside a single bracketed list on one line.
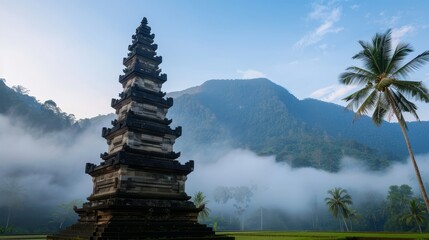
[(338, 201), (416, 214), (200, 201)]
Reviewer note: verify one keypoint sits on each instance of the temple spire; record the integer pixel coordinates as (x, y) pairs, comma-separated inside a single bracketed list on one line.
[(139, 186)]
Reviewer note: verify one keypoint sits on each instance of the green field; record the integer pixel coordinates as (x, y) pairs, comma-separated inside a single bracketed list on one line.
[(23, 237), (266, 235)]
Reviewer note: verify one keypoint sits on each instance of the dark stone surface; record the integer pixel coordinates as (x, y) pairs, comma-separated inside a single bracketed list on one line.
[(138, 219), (141, 161), (139, 194)]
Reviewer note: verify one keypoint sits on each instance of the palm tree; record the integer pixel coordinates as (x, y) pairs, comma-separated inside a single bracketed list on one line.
[(65, 211), (416, 214), (13, 193), (353, 215), (338, 201), (385, 90), (200, 201)]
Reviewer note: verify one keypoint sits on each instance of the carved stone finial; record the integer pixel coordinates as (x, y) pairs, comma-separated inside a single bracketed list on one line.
[(144, 21)]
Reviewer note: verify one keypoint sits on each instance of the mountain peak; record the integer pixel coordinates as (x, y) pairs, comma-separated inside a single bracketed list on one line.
[(255, 86)]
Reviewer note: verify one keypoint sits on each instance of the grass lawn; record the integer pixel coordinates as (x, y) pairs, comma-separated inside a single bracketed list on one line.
[(22, 237), (267, 235)]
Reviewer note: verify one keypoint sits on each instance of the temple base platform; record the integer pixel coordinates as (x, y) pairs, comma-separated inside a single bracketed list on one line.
[(139, 219)]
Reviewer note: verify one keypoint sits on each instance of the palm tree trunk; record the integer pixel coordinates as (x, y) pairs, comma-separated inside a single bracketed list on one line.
[(341, 226), (410, 150), (345, 224), (420, 229), (8, 217), (413, 160), (351, 224)]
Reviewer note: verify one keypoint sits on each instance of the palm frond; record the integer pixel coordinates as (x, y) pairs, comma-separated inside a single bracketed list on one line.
[(381, 109), (338, 201), (362, 71), (366, 106), (405, 105), (394, 105), (383, 49), (368, 57), (401, 51), (412, 65), (357, 97), (415, 89), (354, 78), (384, 83)]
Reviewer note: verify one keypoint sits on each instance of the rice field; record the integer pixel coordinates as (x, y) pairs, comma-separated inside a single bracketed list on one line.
[(269, 235), (22, 237)]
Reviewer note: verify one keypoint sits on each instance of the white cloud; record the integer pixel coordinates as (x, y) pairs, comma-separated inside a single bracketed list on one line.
[(332, 93), (398, 33), (278, 185), (328, 17), (354, 7), (323, 46), (387, 21), (250, 73)]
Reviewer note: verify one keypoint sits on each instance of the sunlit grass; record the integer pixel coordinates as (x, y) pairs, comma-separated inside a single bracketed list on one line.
[(268, 235), (23, 237)]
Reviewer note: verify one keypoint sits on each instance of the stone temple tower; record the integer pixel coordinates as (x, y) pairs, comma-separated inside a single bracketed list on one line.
[(139, 187)]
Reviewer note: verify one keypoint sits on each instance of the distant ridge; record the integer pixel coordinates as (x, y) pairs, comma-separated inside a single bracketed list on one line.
[(192, 90), (266, 118), (254, 114)]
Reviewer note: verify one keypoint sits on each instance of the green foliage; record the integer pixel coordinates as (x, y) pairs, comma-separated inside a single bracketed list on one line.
[(397, 202), (289, 235), (8, 229), (241, 196), (385, 92), (416, 214), (200, 201), (46, 117), (23, 237), (267, 119), (13, 193), (64, 212), (339, 201)]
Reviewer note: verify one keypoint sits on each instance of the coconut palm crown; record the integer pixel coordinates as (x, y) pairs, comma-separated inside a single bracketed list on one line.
[(386, 92), (338, 202), (200, 201), (416, 214)]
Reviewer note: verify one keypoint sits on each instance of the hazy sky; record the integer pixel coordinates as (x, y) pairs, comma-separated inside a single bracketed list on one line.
[(71, 51)]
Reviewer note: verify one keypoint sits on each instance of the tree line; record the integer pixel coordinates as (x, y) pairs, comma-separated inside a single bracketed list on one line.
[(400, 211)]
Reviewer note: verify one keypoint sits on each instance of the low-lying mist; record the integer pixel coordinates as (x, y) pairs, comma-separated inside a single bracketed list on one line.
[(48, 169), (277, 185)]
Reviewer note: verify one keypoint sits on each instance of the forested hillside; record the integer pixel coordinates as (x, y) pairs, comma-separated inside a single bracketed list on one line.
[(252, 114), (47, 116), (266, 118)]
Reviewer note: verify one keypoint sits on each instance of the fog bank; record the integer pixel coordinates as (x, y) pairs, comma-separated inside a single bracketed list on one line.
[(277, 185), (49, 169)]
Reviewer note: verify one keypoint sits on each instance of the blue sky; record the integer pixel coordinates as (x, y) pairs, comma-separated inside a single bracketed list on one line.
[(71, 51)]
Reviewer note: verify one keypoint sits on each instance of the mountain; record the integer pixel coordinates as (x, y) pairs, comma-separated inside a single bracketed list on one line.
[(253, 114), (25, 109), (264, 117)]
